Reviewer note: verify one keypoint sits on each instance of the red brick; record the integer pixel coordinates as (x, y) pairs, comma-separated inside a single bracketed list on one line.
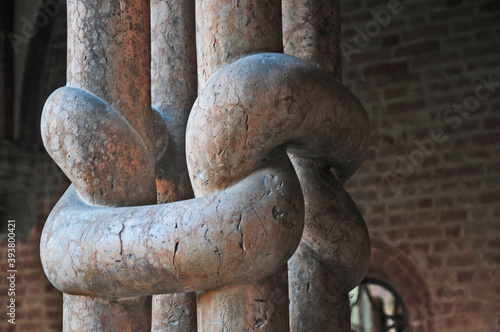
[(491, 123), (441, 246), (434, 261), (417, 49), (486, 139), (369, 56), (392, 93), (398, 219), (425, 203), (453, 215), (492, 259), (390, 40), (494, 243), (388, 68), (427, 31), (489, 197), (453, 231), (424, 232), (53, 302), (423, 247), (396, 234), (438, 58), (465, 276), (474, 23), (405, 106), (461, 260), (461, 171), (53, 314)]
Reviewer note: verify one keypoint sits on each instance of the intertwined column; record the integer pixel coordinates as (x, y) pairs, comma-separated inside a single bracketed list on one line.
[(174, 89), (269, 141), (333, 256)]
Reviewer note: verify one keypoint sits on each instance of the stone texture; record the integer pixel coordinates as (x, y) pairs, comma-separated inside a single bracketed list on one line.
[(109, 55), (243, 233), (334, 253), (275, 102), (173, 91), (97, 149), (128, 315), (228, 30), (174, 312), (265, 101), (264, 302), (100, 131), (311, 31), (231, 243)]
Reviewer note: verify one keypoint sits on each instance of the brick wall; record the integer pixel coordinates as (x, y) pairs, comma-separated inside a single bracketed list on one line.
[(30, 182), (427, 73), (34, 183)]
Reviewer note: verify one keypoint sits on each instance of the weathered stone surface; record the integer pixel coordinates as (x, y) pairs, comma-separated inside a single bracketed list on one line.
[(243, 233), (109, 55), (227, 30), (311, 31), (317, 301), (173, 91), (264, 303), (268, 102), (97, 149), (100, 131), (96, 314), (174, 312), (231, 243), (265, 101), (333, 255)]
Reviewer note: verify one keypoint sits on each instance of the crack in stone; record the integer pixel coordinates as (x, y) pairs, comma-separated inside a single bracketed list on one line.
[(121, 243)]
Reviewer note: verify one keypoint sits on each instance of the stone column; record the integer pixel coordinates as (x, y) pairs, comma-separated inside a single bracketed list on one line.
[(334, 253), (109, 58), (174, 88), (226, 31)]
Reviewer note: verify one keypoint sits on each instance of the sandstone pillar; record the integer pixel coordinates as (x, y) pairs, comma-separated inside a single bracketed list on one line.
[(226, 31), (109, 58), (174, 88), (334, 253)]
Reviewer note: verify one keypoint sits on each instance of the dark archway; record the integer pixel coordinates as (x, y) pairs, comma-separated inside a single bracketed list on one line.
[(392, 266)]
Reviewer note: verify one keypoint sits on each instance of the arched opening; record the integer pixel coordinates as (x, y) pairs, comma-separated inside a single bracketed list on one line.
[(393, 297)]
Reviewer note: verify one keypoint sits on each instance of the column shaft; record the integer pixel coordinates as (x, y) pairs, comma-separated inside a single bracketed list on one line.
[(109, 57), (173, 91), (319, 286), (226, 31)]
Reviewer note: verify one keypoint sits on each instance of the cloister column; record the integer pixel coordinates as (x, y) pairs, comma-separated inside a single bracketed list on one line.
[(109, 57), (334, 253), (174, 89), (226, 31)]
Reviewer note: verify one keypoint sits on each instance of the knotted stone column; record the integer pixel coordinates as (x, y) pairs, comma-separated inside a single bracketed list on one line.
[(226, 31), (109, 247), (333, 256), (108, 67), (174, 89)]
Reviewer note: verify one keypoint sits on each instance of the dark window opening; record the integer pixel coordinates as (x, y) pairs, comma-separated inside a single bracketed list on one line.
[(377, 307)]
